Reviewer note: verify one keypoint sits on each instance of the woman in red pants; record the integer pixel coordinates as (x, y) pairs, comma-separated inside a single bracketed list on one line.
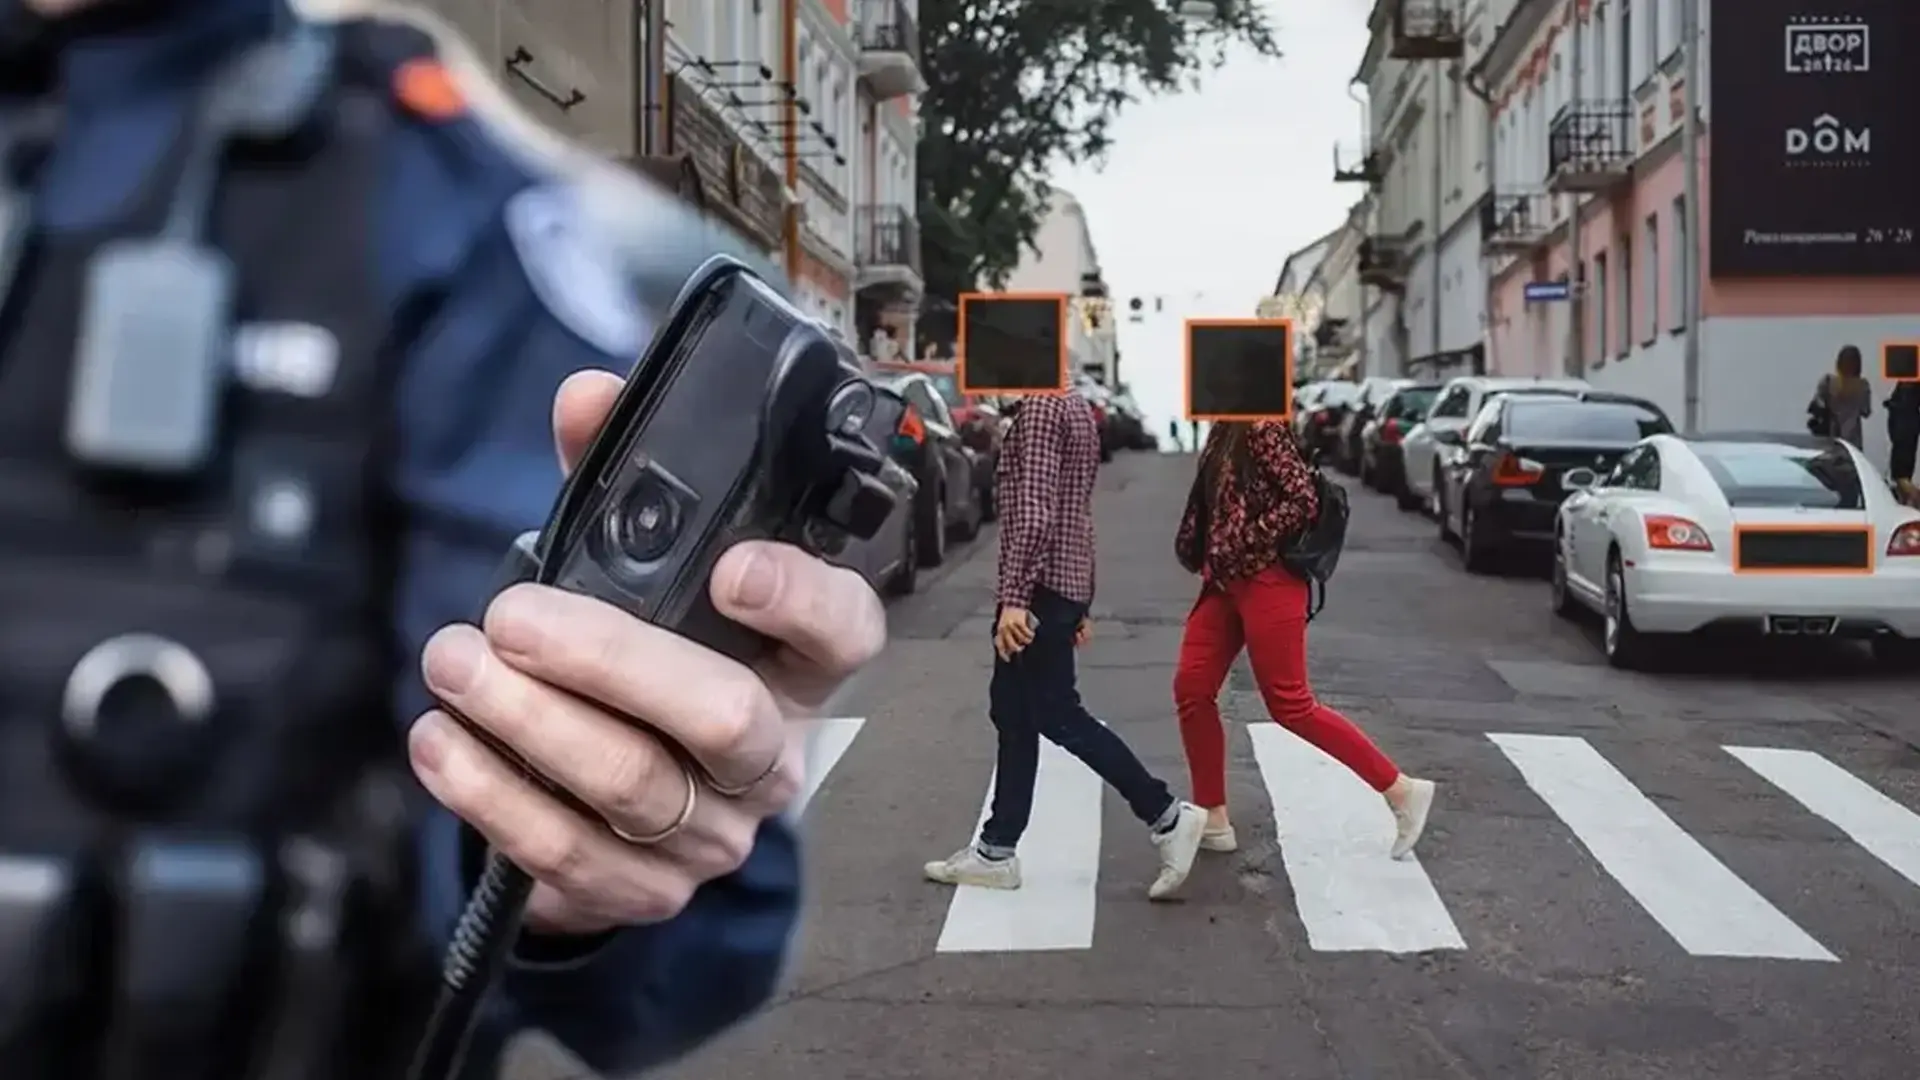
[(1253, 494)]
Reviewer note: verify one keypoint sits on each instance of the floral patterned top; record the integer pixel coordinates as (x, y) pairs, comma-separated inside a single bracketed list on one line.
[(1263, 498)]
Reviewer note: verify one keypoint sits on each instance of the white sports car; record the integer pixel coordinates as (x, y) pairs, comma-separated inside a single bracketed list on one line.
[(1744, 533)]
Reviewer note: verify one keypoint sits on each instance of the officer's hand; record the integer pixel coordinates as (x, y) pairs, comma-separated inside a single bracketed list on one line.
[(556, 677)]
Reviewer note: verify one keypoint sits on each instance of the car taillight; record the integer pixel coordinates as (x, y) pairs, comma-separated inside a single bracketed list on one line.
[(912, 427), (1390, 431), (1323, 418), (1668, 533), (1906, 540), (1515, 471)]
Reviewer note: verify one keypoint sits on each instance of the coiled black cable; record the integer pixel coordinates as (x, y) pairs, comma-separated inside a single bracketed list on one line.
[(489, 925), (482, 941)]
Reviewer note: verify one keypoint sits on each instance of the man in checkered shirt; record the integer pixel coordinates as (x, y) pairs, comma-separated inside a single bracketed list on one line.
[(1048, 466)]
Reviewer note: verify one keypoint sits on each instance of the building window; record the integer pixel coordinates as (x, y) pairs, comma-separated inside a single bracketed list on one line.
[(1650, 288), (1682, 256), (1624, 339), (1598, 310), (1600, 78)]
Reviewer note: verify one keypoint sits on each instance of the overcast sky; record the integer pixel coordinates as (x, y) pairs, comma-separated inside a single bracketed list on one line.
[(1206, 192)]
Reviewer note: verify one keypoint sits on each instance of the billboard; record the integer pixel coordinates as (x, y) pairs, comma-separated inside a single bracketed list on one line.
[(1815, 153)]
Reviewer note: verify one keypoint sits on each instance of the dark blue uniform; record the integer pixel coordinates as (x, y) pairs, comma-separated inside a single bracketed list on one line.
[(510, 297)]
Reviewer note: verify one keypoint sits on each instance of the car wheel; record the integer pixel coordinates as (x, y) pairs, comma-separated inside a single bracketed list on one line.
[(1564, 605), (968, 526), (906, 577), (1437, 506), (1368, 476), (1626, 647), (932, 540), (1405, 499), (1897, 653), (1474, 552), (989, 507)]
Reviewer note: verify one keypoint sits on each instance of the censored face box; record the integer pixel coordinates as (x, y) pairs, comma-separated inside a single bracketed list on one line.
[(1900, 361), (1013, 343), (1239, 369)]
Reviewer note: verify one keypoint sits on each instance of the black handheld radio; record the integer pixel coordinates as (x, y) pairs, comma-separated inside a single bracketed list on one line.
[(744, 420)]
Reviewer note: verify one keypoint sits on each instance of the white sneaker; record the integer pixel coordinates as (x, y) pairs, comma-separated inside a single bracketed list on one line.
[(968, 867), (1220, 839), (1410, 816), (1178, 846)]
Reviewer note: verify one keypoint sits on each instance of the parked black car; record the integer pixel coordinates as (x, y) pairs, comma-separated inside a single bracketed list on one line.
[(1381, 466), (1500, 494), (1317, 422), (1127, 424), (948, 503), (1349, 443)]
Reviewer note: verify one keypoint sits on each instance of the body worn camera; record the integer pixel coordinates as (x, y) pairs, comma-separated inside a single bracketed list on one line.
[(745, 420)]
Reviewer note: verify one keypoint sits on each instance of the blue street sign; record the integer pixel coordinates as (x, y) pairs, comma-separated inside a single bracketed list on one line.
[(1542, 291)]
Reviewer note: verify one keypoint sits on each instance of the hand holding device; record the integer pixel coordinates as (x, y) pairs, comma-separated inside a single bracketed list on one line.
[(619, 733)]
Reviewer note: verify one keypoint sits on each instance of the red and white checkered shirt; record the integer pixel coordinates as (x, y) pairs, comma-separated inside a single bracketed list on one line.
[(1048, 466)]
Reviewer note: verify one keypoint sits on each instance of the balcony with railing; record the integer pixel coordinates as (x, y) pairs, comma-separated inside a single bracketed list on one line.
[(1384, 262), (887, 247), (1357, 165), (889, 48), (1514, 222), (1427, 30), (1590, 146)]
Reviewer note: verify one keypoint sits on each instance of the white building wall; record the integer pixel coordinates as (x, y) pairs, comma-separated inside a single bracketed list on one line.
[(828, 58), (1061, 253)]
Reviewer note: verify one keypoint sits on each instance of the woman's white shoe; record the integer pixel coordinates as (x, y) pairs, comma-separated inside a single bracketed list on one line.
[(1411, 805)]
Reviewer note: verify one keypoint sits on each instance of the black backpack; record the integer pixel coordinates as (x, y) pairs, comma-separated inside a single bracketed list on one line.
[(1313, 554)]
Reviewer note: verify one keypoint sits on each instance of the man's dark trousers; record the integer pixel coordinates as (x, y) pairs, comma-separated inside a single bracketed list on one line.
[(1035, 695)]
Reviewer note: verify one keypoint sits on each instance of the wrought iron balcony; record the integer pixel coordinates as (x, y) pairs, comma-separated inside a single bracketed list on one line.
[(1590, 146), (1356, 166), (1513, 223), (887, 246), (1427, 30), (889, 48), (1384, 263)]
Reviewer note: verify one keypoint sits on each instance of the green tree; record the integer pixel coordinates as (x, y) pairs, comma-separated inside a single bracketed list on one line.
[(1016, 85)]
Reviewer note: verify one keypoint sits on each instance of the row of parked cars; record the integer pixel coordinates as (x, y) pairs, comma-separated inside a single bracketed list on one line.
[(943, 457), (1662, 535)]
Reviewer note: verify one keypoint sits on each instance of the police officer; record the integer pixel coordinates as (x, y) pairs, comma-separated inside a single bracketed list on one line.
[(290, 333)]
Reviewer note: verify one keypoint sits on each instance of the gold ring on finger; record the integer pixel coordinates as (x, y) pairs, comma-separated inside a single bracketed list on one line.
[(678, 823), (746, 789)]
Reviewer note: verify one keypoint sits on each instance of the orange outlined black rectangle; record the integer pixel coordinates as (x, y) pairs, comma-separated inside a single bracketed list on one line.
[(1012, 344), (1817, 556), (1900, 361), (1239, 369)]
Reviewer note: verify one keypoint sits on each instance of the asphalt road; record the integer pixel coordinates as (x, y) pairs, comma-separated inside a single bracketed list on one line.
[(1606, 891)]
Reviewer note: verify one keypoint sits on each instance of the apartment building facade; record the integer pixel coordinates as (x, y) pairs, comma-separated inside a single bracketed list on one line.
[(792, 120), (888, 281), (1804, 239), (1424, 162)]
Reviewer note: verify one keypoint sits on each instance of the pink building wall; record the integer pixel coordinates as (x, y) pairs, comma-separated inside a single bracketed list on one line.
[(1531, 339)]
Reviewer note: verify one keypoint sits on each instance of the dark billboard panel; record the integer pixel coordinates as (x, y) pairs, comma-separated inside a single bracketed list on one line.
[(1815, 155)]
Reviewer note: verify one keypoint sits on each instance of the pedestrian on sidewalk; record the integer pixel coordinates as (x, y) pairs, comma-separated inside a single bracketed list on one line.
[(1903, 433), (1842, 400), (1046, 475), (1253, 493)]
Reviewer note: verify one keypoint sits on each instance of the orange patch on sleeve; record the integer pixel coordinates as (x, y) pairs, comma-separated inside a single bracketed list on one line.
[(428, 90)]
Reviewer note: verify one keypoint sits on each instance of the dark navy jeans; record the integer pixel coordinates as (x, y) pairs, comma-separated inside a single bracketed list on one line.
[(1034, 696)]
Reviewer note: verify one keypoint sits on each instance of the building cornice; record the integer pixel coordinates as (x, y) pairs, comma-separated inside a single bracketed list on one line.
[(1510, 40)]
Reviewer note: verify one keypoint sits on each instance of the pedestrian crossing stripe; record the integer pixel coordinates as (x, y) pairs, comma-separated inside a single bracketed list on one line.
[(1335, 832)]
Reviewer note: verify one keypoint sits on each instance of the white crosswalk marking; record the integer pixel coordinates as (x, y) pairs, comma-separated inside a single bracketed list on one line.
[(1059, 864), (1691, 894), (1890, 832), (823, 743), (1335, 833)]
